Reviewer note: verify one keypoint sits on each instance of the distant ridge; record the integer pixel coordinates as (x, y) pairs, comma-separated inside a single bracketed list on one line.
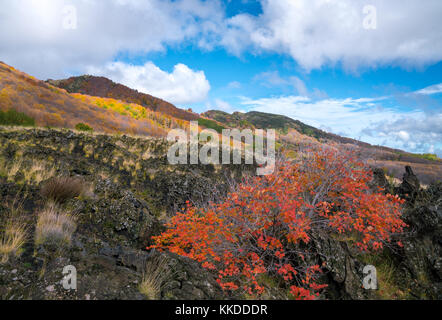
[(261, 120), (106, 88), (50, 106)]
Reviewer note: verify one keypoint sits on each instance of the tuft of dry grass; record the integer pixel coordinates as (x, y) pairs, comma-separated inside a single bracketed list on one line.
[(12, 239), (14, 168), (54, 225), (14, 233), (38, 172), (157, 270), (61, 189)]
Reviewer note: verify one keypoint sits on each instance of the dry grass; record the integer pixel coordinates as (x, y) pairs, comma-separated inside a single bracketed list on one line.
[(14, 233), (9, 171), (156, 272), (54, 225), (40, 172), (37, 172), (14, 168), (61, 189)]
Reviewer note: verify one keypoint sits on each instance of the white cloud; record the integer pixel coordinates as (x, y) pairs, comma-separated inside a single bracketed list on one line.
[(363, 119), (320, 32), (299, 86), (341, 115), (421, 133), (437, 88), (274, 79), (270, 79), (403, 135), (220, 104), (313, 32), (182, 86), (32, 37), (234, 85)]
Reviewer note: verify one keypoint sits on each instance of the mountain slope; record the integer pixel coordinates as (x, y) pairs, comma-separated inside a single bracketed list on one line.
[(48, 105), (105, 88), (52, 106), (261, 120), (293, 133)]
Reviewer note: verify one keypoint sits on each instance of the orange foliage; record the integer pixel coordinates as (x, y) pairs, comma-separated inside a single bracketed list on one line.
[(262, 227), (50, 106)]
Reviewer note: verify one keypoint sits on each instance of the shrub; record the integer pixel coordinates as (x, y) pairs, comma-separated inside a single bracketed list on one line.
[(210, 124), (83, 127), (427, 156), (264, 227), (13, 118), (61, 189), (54, 226)]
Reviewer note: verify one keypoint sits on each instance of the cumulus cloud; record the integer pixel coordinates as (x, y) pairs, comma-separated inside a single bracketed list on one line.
[(313, 32), (421, 133), (182, 86), (321, 32), (345, 115), (33, 37)]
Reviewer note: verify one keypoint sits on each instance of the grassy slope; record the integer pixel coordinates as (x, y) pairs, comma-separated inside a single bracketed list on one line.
[(54, 107), (105, 88)]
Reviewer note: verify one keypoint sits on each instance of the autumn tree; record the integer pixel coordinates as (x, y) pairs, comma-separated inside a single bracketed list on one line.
[(260, 228)]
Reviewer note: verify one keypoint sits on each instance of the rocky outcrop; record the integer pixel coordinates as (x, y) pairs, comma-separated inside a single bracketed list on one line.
[(129, 184), (419, 260), (410, 186), (130, 190)]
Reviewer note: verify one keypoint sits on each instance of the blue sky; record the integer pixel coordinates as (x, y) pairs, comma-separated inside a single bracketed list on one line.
[(370, 70)]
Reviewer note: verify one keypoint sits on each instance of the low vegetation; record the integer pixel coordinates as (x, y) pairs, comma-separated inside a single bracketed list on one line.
[(13, 118), (83, 127), (105, 88), (38, 103), (61, 189), (210, 124), (13, 233), (54, 226), (428, 156), (264, 226), (156, 272)]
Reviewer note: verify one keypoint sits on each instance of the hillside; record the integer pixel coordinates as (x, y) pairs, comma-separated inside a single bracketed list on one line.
[(105, 88), (261, 120), (54, 107), (95, 199), (118, 191), (128, 190), (292, 133), (48, 106)]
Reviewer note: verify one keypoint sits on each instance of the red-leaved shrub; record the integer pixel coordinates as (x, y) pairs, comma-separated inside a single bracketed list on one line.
[(259, 228)]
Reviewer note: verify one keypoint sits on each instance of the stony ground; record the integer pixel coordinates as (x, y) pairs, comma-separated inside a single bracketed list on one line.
[(130, 190)]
